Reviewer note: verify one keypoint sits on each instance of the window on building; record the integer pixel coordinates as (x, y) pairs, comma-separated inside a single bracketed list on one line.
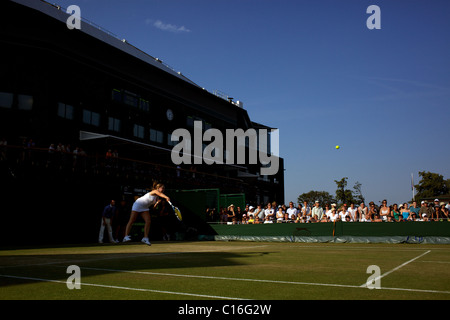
[(116, 95), (144, 105), (190, 121), (65, 111), (138, 131), (130, 99), (114, 124), (92, 118), (6, 99), (25, 102), (156, 136)]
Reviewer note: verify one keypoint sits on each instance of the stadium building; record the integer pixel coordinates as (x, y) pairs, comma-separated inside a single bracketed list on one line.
[(114, 108)]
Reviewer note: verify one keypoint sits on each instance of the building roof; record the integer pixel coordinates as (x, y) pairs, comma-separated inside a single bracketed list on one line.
[(90, 28)]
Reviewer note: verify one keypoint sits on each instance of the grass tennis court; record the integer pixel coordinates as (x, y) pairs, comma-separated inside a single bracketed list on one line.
[(226, 270)]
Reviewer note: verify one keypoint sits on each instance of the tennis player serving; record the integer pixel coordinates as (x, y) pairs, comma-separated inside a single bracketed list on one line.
[(141, 207)]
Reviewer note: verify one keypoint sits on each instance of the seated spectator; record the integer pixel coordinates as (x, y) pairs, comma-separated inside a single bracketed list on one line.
[(325, 218), (378, 218), (223, 215), (362, 212), (343, 213), (435, 213), (424, 212), (239, 214), (414, 209), (344, 207), (251, 211), (353, 212), (299, 210), (316, 212), (291, 212), (280, 215), (444, 212), (231, 214), (259, 212), (395, 212), (251, 219), (372, 211), (436, 203), (306, 211), (385, 210), (334, 216), (327, 210), (405, 212), (269, 214)]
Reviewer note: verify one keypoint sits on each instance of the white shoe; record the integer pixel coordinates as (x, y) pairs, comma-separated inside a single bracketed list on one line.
[(145, 240), (126, 239)]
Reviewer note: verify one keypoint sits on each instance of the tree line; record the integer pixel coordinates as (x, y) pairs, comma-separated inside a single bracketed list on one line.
[(431, 185)]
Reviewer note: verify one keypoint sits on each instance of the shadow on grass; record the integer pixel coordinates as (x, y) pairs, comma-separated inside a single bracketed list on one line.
[(19, 266)]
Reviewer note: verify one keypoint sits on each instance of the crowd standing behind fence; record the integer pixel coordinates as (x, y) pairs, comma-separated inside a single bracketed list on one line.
[(273, 213)]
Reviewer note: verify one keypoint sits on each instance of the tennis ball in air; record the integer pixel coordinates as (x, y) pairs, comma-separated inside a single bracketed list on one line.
[(337, 147)]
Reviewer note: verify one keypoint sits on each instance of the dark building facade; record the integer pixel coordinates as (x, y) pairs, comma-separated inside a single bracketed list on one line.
[(61, 86)]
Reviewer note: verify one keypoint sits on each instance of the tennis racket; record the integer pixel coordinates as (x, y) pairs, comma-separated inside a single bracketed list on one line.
[(176, 211)]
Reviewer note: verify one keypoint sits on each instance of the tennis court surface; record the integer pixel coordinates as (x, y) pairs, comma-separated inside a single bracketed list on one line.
[(226, 271)]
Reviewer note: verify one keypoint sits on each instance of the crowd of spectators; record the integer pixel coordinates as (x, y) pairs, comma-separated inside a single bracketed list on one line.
[(25, 155), (64, 156), (305, 213)]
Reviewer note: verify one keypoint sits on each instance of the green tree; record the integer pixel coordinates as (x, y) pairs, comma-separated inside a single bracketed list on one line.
[(431, 185), (312, 196), (357, 194), (343, 195)]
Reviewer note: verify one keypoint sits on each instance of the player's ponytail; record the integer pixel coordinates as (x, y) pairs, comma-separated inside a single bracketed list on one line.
[(157, 185)]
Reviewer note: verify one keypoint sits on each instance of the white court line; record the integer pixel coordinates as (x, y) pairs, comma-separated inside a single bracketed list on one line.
[(396, 268), (221, 278), (127, 288), (336, 247), (434, 261), (262, 280), (231, 279)]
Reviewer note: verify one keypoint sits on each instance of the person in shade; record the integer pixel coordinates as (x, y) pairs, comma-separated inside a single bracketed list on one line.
[(107, 216)]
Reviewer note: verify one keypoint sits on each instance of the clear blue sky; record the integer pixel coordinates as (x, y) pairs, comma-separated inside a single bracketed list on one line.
[(315, 71)]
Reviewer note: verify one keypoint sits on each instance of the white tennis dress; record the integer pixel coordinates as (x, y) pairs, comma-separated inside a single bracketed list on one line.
[(143, 203)]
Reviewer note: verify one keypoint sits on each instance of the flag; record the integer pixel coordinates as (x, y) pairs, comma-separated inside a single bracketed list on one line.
[(412, 182)]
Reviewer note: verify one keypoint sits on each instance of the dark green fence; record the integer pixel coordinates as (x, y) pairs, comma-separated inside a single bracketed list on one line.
[(345, 231)]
